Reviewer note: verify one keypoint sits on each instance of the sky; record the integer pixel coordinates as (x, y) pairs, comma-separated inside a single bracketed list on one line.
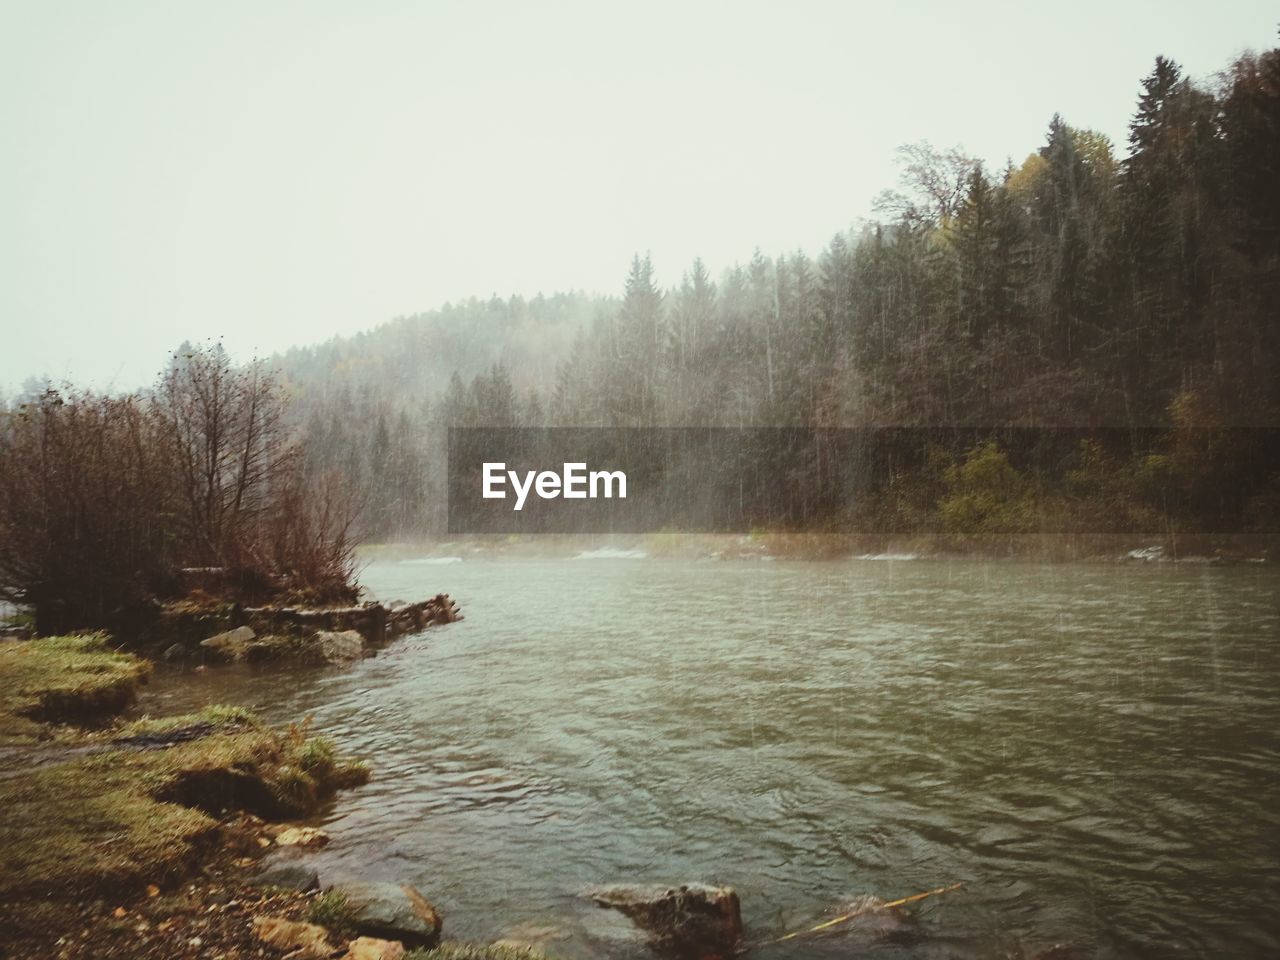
[(277, 173)]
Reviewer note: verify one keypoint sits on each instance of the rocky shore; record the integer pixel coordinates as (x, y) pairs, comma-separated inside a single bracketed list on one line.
[(185, 837), (198, 631)]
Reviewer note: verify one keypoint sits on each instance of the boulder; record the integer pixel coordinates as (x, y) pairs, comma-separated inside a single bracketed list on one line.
[(230, 645), (273, 647), (290, 876), (302, 941), (302, 837), (340, 646), (690, 920), (371, 948), (392, 911), (531, 938)]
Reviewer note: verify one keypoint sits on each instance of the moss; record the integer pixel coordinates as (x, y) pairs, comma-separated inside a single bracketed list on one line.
[(89, 825), (65, 679), (123, 818)]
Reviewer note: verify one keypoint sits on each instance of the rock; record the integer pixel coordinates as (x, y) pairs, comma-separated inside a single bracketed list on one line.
[(174, 652), (531, 937), (231, 645), (312, 837), (264, 649), (371, 948), (304, 941), (290, 876), (391, 911), (340, 646), (694, 919)]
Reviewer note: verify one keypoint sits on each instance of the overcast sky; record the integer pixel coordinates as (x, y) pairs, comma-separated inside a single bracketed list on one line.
[(277, 173)]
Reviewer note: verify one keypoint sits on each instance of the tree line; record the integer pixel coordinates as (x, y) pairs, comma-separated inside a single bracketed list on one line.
[(1080, 288)]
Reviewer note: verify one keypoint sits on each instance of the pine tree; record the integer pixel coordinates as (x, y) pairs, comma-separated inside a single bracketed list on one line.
[(638, 341)]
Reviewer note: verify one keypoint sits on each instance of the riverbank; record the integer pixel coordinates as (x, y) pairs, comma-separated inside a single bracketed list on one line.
[(96, 806), (202, 628), (144, 838), (1052, 548)]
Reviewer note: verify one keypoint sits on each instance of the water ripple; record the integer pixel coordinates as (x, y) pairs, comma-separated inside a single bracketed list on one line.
[(1095, 751)]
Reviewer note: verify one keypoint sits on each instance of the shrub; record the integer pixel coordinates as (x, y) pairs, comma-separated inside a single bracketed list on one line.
[(333, 911), (106, 500), (986, 494)]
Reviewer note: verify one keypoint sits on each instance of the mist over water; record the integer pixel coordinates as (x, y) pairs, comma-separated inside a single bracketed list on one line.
[(1093, 749)]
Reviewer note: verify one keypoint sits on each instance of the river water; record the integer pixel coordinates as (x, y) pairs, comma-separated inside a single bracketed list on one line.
[(1094, 750)]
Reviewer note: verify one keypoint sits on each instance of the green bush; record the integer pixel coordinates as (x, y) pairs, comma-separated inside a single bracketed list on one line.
[(986, 494)]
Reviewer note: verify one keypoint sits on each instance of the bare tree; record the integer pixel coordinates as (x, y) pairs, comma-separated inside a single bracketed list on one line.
[(933, 184), (105, 500), (85, 499), (230, 445)]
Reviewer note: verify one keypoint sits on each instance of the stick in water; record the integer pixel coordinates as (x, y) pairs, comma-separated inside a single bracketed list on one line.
[(868, 909)]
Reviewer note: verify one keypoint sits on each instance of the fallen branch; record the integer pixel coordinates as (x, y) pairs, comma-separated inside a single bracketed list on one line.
[(871, 908)]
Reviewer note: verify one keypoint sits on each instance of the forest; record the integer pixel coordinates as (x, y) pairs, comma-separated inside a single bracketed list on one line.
[(1130, 290), (1086, 287)]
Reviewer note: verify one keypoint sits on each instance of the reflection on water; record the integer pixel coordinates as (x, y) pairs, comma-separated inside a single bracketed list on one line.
[(1094, 750)]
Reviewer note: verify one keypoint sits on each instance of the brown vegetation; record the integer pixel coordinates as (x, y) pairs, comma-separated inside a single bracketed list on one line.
[(105, 500)]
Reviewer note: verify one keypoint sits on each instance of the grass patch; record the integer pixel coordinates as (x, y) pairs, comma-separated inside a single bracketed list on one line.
[(317, 757), (124, 818), (75, 679), (210, 718), (334, 912), (90, 825)]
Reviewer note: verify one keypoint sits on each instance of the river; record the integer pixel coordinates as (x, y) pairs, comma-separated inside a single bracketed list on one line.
[(1093, 749)]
